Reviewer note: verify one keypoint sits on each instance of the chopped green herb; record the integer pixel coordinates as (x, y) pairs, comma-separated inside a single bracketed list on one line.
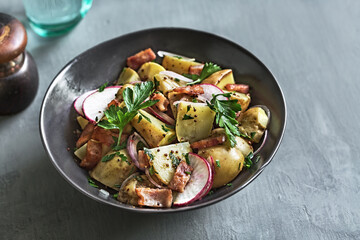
[(156, 82), (194, 100), (115, 195), (239, 166), (188, 173), (164, 128), (186, 155), (177, 80), (108, 157), (188, 108), (148, 152), (92, 183), (178, 57), (152, 170), (140, 145), (171, 139), (124, 69), (117, 185), (96, 118), (140, 118), (120, 147), (103, 87), (210, 193), (75, 148), (187, 117), (147, 118), (123, 157), (174, 160), (229, 184), (252, 135), (119, 117), (217, 163), (208, 69), (248, 162), (225, 116)]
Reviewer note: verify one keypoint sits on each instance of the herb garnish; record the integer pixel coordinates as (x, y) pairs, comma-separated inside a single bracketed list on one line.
[(139, 179), (170, 126), (152, 170), (187, 117), (217, 163), (174, 160), (107, 158), (103, 87), (211, 192), (188, 173), (118, 117), (208, 69), (194, 100), (248, 160), (148, 152), (164, 128), (229, 184), (188, 108), (146, 117), (225, 115), (252, 135), (115, 195), (92, 183), (186, 155)]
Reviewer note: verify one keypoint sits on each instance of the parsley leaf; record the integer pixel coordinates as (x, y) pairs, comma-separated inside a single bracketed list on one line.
[(188, 173), (118, 117), (92, 183), (186, 155), (248, 160), (164, 128), (108, 157), (208, 69), (229, 184), (217, 163), (225, 116)]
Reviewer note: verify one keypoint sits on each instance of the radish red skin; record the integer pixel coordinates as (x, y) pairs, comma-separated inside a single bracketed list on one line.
[(91, 119), (78, 105), (206, 187)]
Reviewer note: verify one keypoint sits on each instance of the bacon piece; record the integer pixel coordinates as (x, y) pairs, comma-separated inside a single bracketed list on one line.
[(208, 142), (196, 69), (181, 178), (114, 102), (241, 88), (162, 104), (85, 135), (103, 135), (93, 155), (154, 197), (190, 90), (143, 159), (140, 58)]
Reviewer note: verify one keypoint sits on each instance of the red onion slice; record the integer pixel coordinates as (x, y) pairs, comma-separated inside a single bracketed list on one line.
[(128, 179), (162, 116), (209, 91), (151, 179), (163, 53), (177, 76), (133, 140)]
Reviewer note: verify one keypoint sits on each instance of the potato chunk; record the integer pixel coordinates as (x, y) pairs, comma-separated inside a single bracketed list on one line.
[(166, 84), (113, 172), (148, 70), (242, 99), (177, 65), (194, 121), (162, 159), (221, 78), (253, 123), (128, 75), (155, 132)]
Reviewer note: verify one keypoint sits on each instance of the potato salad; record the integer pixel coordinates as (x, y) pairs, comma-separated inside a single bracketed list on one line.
[(165, 135)]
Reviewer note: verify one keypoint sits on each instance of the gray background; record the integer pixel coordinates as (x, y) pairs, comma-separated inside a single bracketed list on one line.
[(309, 191)]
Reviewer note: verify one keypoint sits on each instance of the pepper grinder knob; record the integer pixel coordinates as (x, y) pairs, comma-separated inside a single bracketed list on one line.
[(19, 77)]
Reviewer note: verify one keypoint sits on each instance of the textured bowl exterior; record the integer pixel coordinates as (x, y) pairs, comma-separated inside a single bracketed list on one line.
[(105, 61)]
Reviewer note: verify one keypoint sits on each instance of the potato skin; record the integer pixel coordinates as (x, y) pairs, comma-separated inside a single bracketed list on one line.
[(148, 70), (166, 84), (230, 162), (221, 78), (128, 194), (253, 122), (242, 99), (128, 75), (177, 65), (114, 171)]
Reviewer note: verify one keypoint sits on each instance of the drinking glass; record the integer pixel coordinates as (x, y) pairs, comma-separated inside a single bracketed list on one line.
[(55, 17)]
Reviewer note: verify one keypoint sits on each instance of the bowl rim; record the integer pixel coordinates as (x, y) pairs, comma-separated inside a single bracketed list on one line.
[(159, 210)]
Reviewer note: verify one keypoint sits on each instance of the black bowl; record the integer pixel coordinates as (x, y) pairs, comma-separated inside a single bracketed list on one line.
[(104, 62)]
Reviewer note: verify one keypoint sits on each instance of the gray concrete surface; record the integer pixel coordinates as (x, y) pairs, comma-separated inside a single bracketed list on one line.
[(309, 191)]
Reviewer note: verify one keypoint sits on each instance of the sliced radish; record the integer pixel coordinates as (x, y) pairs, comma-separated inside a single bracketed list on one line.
[(163, 53), (209, 91), (79, 102), (162, 116), (211, 161), (96, 103), (176, 75), (200, 181)]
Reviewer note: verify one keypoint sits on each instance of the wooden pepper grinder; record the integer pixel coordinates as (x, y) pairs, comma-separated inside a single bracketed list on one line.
[(19, 77)]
